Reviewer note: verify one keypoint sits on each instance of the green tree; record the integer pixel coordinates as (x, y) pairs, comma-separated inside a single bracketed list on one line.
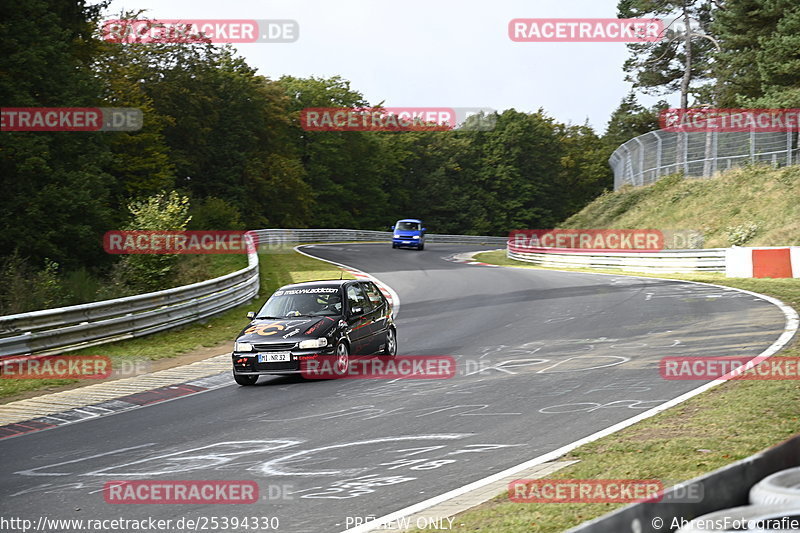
[(141, 160), (150, 272), (343, 169), (56, 194), (681, 60), (630, 120), (759, 64)]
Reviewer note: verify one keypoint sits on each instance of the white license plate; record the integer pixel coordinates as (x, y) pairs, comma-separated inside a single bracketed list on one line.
[(274, 357), (406, 242)]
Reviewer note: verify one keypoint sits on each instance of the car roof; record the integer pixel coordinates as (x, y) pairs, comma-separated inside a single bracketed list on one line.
[(410, 220), (319, 283)]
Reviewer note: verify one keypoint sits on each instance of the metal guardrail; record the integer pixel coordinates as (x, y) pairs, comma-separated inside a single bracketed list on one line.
[(645, 159), (80, 326), (671, 261), (286, 237)]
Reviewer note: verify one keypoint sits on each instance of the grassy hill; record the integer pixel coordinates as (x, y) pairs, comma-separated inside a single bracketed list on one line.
[(755, 205)]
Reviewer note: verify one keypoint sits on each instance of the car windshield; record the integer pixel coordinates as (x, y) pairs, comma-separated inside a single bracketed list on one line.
[(317, 301), (408, 226)]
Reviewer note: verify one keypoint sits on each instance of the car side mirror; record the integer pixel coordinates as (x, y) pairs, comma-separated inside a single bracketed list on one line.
[(251, 314), (424, 229), (391, 227), (356, 311)]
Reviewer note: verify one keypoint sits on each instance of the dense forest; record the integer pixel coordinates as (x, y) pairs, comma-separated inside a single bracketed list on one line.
[(225, 143)]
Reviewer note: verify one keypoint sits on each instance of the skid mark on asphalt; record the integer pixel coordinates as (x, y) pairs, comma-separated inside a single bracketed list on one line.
[(313, 470)]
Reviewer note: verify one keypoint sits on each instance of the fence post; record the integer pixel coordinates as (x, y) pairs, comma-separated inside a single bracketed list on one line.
[(641, 160), (658, 153), (714, 151), (627, 166), (685, 153)]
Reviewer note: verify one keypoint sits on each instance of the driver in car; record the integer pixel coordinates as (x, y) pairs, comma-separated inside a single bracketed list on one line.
[(330, 303)]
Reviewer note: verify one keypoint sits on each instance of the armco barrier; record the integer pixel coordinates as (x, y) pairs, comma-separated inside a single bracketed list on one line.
[(70, 328), (670, 261), (80, 326), (278, 237), (724, 488)]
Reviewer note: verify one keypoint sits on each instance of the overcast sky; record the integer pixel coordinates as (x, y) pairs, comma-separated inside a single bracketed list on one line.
[(432, 53)]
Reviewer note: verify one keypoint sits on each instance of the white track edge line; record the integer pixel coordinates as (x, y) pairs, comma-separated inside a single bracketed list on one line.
[(790, 328)]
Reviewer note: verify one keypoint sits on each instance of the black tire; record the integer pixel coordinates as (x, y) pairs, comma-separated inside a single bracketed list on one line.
[(394, 245), (717, 520), (342, 363), (780, 488), (244, 380), (390, 349)]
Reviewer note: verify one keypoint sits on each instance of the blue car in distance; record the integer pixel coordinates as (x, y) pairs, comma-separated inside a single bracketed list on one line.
[(408, 233)]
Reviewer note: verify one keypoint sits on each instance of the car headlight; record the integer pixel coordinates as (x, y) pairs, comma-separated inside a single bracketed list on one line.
[(415, 237), (396, 235), (313, 343), (242, 347)]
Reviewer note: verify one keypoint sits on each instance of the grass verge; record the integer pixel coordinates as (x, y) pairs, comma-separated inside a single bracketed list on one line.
[(727, 423), (276, 269), (753, 205)]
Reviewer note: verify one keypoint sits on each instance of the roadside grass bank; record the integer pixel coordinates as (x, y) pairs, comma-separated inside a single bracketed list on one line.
[(754, 205), (727, 423), (214, 334)]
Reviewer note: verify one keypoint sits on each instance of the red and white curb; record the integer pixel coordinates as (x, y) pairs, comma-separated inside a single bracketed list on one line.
[(109, 397)]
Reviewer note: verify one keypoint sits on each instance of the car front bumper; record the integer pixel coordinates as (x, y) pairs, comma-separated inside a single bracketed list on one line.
[(406, 242), (247, 363)]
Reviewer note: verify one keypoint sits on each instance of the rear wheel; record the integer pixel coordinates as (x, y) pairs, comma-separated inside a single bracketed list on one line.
[(245, 380)]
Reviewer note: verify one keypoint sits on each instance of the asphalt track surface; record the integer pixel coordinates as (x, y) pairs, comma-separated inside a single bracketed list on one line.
[(561, 356)]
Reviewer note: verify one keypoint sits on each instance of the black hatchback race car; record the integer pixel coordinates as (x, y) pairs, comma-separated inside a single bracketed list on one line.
[(332, 319)]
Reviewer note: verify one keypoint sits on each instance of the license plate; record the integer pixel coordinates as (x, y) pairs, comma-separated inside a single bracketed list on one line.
[(275, 357), (406, 242)]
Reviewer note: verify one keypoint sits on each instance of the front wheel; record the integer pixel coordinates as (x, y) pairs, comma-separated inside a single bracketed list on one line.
[(245, 380), (390, 348), (342, 364), (421, 247)]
